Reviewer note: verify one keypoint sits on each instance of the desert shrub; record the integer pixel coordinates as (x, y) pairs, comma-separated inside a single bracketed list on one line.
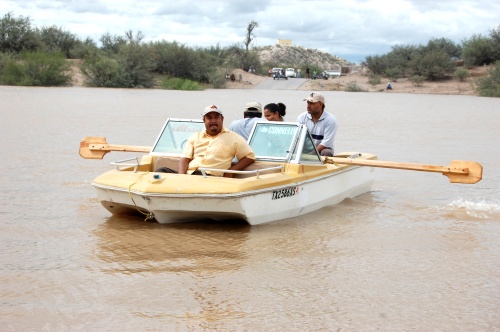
[(417, 80), (461, 74), (56, 39), (36, 69), (218, 79), (4, 58), (137, 64), (175, 83), (446, 45), (478, 50), (376, 64), (83, 49), (17, 35), (394, 73), (354, 87), (102, 72), (131, 67), (111, 44), (177, 60), (374, 79), (434, 65), (489, 85)]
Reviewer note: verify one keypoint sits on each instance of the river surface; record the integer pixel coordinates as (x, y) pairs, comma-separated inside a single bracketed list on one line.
[(415, 254)]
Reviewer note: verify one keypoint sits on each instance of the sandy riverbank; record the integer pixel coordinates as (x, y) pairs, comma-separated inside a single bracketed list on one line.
[(447, 87)]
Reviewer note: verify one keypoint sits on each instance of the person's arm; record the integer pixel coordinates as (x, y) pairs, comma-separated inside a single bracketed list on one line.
[(241, 164), (320, 147), (184, 165)]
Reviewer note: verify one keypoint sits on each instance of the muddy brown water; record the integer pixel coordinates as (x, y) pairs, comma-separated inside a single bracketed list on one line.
[(415, 254)]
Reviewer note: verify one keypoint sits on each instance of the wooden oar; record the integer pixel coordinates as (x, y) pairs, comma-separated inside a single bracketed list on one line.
[(94, 147), (459, 171)]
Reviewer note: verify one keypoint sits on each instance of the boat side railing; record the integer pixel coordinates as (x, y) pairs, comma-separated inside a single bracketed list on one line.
[(123, 163), (251, 172)]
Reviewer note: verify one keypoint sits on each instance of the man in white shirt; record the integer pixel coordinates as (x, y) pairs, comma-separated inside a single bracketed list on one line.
[(321, 124)]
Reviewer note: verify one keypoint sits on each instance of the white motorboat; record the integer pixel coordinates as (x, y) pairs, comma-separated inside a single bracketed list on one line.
[(289, 177)]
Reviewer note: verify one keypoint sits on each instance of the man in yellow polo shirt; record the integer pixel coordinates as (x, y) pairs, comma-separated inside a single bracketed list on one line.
[(215, 147)]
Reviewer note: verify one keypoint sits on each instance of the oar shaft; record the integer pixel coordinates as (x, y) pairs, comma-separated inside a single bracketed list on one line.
[(110, 147), (400, 165), (459, 171)]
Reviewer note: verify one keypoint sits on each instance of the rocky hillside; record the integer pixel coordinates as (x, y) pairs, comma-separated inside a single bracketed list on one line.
[(284, 56)]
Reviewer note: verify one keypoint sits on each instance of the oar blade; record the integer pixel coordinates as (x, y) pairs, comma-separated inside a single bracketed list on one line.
[(90, 141), (474, 175)]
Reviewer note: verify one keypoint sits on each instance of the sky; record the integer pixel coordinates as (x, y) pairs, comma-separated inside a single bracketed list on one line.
[(351, 29)]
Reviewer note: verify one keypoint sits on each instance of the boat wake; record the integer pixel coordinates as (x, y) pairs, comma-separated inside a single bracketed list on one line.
[(478, 209)]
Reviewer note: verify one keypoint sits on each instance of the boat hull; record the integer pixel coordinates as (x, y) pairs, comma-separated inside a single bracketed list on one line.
[(284, 199)]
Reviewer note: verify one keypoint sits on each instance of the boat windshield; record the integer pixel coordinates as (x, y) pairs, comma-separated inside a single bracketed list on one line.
[(271, 141), (274, 140), (174, 135)]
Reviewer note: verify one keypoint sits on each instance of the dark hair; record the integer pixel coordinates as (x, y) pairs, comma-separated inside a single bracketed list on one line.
[(252, 114), (279, 108)]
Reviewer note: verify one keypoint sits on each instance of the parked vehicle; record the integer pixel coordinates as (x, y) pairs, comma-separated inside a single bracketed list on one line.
[(279, 73), (332, 73), (290, 72)]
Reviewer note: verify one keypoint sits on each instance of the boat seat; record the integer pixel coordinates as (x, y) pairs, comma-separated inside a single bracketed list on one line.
[(170, 162)]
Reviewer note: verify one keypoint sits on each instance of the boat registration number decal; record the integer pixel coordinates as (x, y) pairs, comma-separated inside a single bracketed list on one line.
[(287, 192)]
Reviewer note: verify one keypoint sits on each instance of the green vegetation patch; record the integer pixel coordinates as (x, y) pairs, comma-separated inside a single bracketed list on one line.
[(174, 83), (489, 86), (35, 69)]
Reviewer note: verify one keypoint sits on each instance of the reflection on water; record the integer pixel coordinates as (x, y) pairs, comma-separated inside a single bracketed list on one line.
[(131, 245), (416, 253)]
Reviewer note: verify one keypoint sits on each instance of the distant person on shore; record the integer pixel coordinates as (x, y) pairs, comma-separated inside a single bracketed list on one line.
[(251, 114), (270, 72), (308, 72), (298, 73), (389, 86), (321, 124), (275, 112)]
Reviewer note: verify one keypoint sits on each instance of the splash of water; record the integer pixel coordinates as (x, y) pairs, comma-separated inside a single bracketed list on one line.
[(481, 209)]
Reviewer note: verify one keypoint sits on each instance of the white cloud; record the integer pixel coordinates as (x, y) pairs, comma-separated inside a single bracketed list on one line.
[(351, 29)]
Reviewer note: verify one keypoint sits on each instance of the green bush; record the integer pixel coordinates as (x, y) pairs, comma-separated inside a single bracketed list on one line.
[(434, 65), (374, 79), (36, 69), (376, 64), (217, 79), (354, 87), (394, 73), (461, 74), (417, 80), (174, 83), (83, 49), (137, 64), (489, 85), (102, 72), (478, 50), (56, 39), (17, 35)]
